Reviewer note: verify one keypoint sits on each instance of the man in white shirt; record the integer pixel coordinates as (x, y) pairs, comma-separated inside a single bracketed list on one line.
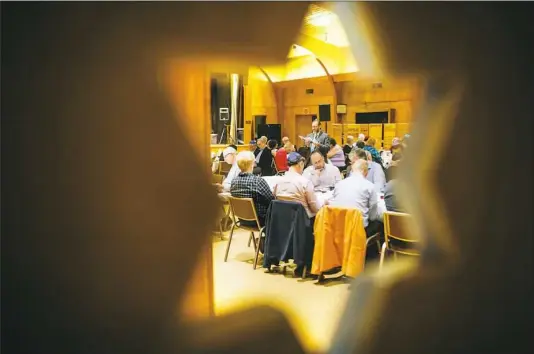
[(321, 174), (229, 155), (357, 192)]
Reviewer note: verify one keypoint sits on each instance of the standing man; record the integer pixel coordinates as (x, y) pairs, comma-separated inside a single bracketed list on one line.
[(318, 139)]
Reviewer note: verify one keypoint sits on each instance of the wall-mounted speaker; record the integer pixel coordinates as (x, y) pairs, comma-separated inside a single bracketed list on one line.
[(324, 113)]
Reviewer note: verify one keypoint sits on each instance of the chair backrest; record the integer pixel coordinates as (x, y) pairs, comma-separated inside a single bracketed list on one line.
[(243, 209), (216, 178), (397, 226), (224, 168)]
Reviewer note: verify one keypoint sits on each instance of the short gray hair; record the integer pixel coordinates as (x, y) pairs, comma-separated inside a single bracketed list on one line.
[(360, 166)]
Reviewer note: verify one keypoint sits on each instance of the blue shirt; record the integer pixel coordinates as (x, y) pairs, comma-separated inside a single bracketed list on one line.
[(357, 192)]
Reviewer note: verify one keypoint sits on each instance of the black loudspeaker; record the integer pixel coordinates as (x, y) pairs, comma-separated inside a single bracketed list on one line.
[(324, 112), (271, 131), (258, 120)]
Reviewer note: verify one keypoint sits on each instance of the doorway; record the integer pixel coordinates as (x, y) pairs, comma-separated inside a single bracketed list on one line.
[(302, 127)]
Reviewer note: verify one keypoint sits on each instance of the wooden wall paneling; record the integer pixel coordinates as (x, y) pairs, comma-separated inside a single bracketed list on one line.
[(337, 131), (375, 131), (390, 131)]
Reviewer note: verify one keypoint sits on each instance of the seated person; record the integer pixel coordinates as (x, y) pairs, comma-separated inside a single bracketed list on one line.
[(390, 197), (216, 161), (370, 146), (360, 145), (273, 146), (280, 158), (336, 155), (375, 173), (248, 185), (305, 151), (264, 158), (252, 145), (294, 187), (347, 148), (321, 174), (392, 169), (357, 192), (230, 158)]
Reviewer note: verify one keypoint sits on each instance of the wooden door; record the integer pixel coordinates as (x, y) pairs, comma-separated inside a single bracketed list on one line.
[(302, 128)]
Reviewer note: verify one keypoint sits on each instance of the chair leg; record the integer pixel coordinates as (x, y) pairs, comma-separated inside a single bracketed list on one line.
[(382, 256), (221, 235), (256, 246), (250, 238), (229, 241), (257, 253)]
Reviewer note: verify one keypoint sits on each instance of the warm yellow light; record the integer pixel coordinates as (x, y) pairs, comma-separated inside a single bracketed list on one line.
[(322, 19), (298, 51)]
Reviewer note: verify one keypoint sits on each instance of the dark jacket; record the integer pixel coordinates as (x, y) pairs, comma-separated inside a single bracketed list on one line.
[(266, 162), (289, 234)]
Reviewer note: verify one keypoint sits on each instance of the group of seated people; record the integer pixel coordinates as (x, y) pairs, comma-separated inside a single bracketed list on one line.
[(365, 181)]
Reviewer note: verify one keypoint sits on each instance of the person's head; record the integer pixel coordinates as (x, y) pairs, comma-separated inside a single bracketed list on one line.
[(316, 126), (289, 147), (296, 162), (262, 142), (358, 154), (317, 160), (350, 140), (361, 137), (272, 144), (229, 154), (245, 161), (333, 142), (285, 140), (252, 145), (371, 142), (360, 144), (360, 167)]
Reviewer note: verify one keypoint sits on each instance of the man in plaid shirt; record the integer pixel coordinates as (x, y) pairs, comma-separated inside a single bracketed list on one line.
[(248, 185)]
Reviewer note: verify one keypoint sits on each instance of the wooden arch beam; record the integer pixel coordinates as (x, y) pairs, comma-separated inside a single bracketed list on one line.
[(273, 95), (333, 106)]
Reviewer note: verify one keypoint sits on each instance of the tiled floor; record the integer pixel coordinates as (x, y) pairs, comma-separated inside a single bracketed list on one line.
[(313, 310)]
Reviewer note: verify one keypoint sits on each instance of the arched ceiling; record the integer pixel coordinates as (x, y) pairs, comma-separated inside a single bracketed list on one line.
[(321, 36)]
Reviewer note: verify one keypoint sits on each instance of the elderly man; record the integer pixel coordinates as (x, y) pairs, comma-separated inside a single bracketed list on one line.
[(357, 192), (375, 173), (321, 174), (361, 137), (317, 138), (294, 187), (229, 155), (285, 140), (264, 158), (248, 185), (347, 148)]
